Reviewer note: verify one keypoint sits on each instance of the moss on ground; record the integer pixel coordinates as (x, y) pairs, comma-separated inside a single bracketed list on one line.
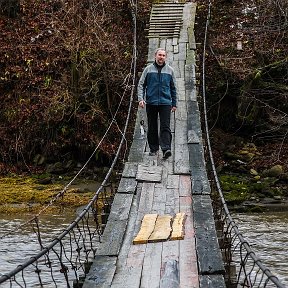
[(26, 194)]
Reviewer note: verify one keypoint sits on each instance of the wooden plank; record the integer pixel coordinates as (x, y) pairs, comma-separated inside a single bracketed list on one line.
[(127, 185), (130, 259), (182, 52), (171, 277), (191, 37), (169, 47), (162, 43), (149, 173), (159, 200), (112, 238), (101, 272), (151, 266), (188, 258), (181, 155), (211, 281), (162, 229), (180, 83), (178, 227), (172, 181), (191, 60), (181, 112), (175, 41), (146, 200), (121, 206), (153, 45), (175, 48), (130, 170), (136, 150), (193, 138), (147, 227), (184, 185), (207, 247), (172, 201)]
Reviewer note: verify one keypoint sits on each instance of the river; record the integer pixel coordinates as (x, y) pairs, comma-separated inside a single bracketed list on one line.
[(266, 233), (268, 237)]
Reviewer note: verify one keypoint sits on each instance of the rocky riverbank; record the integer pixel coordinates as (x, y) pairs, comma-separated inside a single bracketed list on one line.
[(253, 178)]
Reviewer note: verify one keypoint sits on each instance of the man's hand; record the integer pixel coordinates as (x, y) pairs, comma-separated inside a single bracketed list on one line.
[(173, 109), (142, 103)]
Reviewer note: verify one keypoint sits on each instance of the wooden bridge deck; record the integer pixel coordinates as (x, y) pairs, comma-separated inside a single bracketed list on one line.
[(164, 187)]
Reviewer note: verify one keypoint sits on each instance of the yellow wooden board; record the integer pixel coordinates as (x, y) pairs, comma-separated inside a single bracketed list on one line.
[(146, 229), (158, 228), (162, 229), (178, 227)]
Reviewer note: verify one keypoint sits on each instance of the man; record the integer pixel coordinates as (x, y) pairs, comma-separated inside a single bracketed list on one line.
[(157, 90)]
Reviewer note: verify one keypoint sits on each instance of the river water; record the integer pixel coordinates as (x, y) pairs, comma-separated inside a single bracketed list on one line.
[(20, 245), (266, 233)]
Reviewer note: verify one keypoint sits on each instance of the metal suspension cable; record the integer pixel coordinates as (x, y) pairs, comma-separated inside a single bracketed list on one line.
[(229, 218), (57, 239)]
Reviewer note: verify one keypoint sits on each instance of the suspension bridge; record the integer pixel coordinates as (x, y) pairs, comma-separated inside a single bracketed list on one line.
[(163, 228)]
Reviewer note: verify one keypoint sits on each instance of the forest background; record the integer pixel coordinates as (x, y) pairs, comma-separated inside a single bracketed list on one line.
[(64, 67)]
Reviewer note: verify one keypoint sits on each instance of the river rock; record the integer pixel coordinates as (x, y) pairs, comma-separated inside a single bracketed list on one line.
[(274, 171), (253, 172)]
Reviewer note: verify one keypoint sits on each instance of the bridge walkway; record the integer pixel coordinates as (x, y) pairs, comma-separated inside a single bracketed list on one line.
[(151, 185)]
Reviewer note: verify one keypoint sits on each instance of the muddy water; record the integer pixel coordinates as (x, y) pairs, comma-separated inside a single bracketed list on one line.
[(18, 247), (267, 234)]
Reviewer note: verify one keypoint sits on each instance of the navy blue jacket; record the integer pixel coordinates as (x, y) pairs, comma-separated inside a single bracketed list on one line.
[(157, 85)]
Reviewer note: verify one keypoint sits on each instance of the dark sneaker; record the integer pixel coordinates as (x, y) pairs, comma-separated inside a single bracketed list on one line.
[(167, 154), (152, 153)]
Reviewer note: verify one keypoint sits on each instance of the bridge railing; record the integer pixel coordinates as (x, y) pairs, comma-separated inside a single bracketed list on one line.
[(243, 267)]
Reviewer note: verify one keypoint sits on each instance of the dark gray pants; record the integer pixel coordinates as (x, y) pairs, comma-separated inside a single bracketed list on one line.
[(164, 112)]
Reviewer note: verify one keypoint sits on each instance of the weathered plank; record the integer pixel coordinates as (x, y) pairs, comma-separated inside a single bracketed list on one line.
[(181, 56), (180, 84), (162, 229), (191, 62), (112, 238), (188, 258), (151, 266), (130, 170), (172, 181), (159, 200), (184, 185), (178, 229), (211, 281), (147, 227), (130, 259), (153, 45), (207, 247), (172, 201), (136, 150), (181, 157), (149, 173), (127, 185), (191, 36), (101, 272), (193, 138), (120, 208), (199, 178), (171, 277)]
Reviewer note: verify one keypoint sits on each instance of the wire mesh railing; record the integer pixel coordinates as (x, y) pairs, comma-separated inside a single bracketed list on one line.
[(243, 267)]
